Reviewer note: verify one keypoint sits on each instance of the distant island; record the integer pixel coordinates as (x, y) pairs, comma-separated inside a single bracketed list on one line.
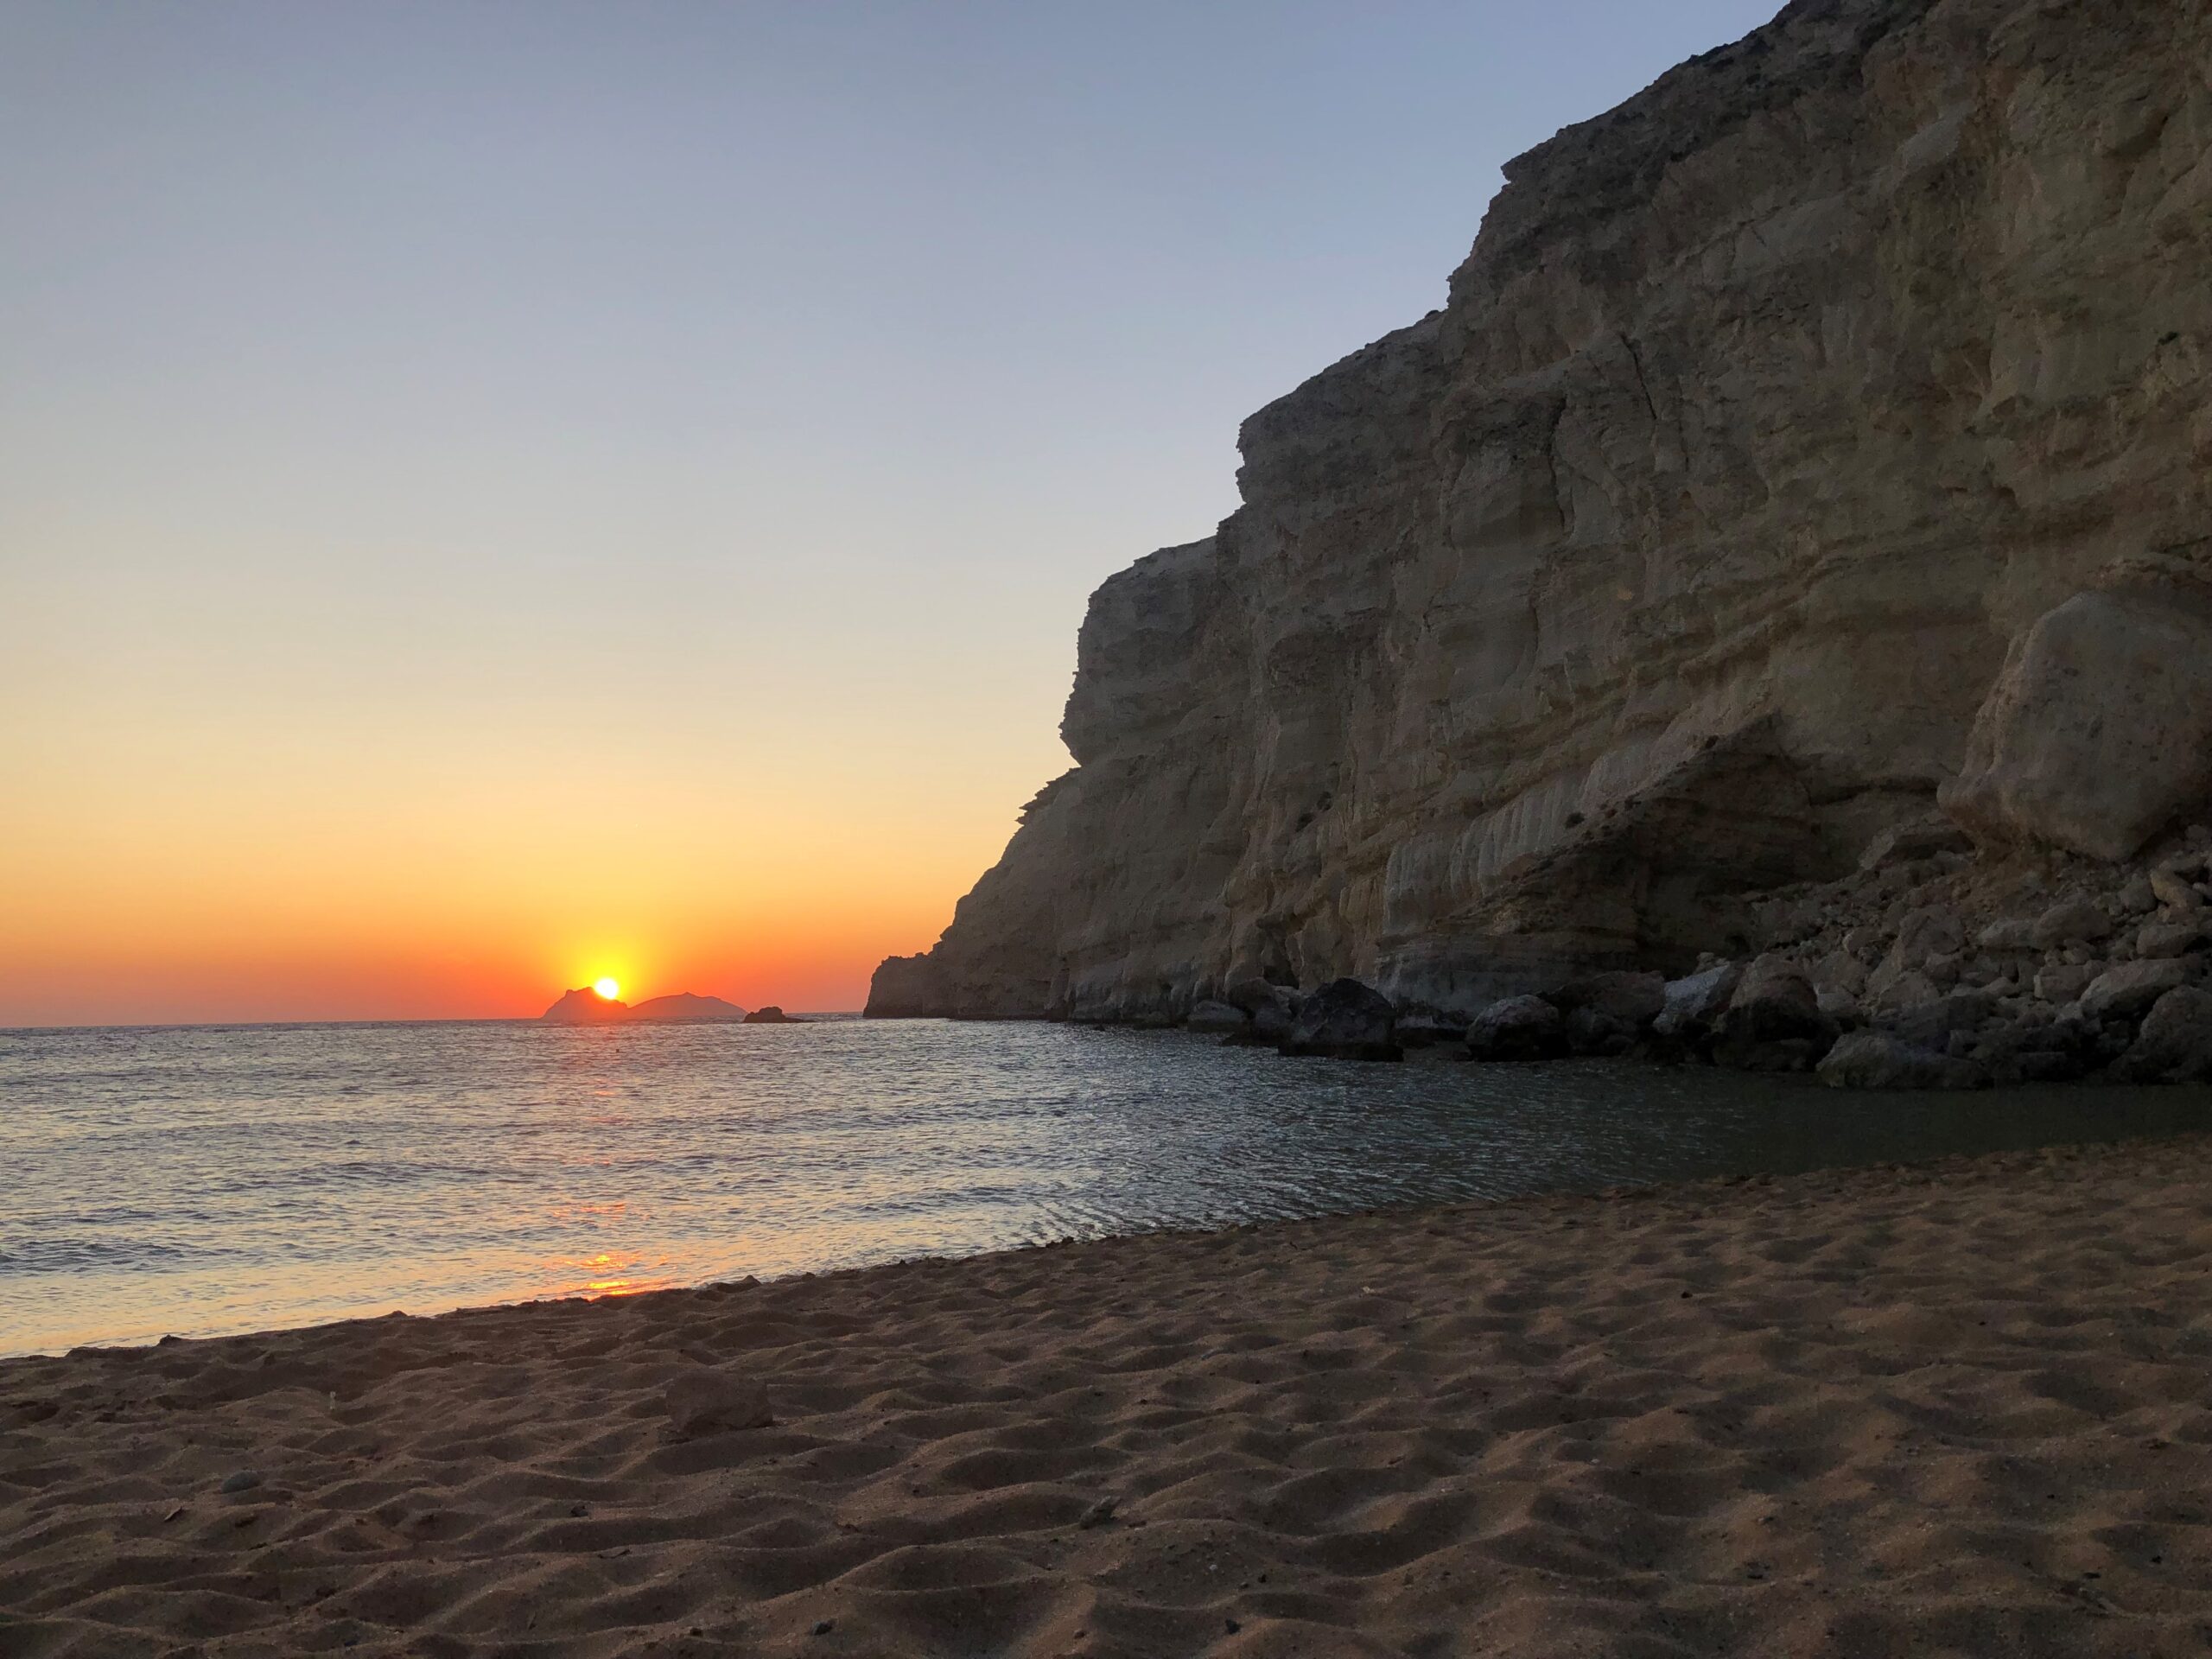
[(585, 1006)]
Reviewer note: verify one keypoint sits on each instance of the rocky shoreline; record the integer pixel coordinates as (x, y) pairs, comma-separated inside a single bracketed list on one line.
[(1928, 968)]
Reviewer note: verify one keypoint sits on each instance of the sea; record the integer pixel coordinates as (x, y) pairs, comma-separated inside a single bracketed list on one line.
[(200, 1180)]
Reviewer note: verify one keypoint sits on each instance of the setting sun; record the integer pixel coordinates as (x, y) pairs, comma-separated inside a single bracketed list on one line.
[(607, 988)]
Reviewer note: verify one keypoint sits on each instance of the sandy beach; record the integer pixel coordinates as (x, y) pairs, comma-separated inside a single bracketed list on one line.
[(1966, 1408)]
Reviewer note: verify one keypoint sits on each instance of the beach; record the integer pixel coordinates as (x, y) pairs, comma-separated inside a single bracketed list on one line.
[(1962, 1408)]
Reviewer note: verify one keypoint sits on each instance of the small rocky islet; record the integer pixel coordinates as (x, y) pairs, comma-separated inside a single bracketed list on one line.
[(586, 1007)]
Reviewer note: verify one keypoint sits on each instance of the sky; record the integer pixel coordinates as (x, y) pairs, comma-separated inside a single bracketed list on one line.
[(497, 495)]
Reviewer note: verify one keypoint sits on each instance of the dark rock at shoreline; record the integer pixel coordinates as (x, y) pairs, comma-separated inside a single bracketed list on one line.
[(1217, 1019), (1273, 1009), (1775, 1021), (1609, 1014), (1518, 1028), (2175, 1045), (1692, 1008), (1345, 1021), (2129, 990), (1425, 1029), (1868, 1060)]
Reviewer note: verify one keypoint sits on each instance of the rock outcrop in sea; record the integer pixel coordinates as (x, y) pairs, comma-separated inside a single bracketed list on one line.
[(587, 1007), (1804, 499)]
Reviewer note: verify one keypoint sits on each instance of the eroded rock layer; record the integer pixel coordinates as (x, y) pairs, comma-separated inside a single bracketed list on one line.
[(1823, 431)]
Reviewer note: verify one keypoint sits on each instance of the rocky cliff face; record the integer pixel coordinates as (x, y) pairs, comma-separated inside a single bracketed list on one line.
[(1822, 432)]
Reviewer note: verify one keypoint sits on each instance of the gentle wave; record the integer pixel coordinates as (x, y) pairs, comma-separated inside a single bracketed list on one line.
[(202, 1179)]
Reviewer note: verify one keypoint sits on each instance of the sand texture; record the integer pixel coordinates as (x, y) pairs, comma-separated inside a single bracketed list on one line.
[(1965, 1409)]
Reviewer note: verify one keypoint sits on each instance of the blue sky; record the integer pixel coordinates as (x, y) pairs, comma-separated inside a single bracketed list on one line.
[(772, 380)]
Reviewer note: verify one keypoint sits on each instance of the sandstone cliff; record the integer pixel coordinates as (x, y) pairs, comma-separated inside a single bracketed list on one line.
[(1822, 432)]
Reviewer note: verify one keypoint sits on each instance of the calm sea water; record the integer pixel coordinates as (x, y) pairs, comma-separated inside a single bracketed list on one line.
[(220, 1178)]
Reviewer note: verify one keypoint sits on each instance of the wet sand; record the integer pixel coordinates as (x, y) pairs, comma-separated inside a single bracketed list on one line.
[(1960, 1409)]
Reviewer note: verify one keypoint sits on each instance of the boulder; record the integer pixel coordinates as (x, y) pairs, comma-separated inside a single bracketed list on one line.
[(2035, 1051), (1518, 1028), (1217, 1018), (2125, 992), (1275, 1024), (2071, 921), (1930, 931), (2174, 891), (704, 1401), (1932, 1025), (1867, 943), (1927, 937), (1626, 999), (2138, 897), (2175, 1045), (2098, 732), (771, 1015), (1274, 1009), (1608, 1013), (1596, 1034), (1841, 972), (1429, 1030), (1695, 1001), (2013, 933), (1921, 838), (2157, 941), (1840, 1006), (1253, 994), (1872, 1059), (1774, 1022), (1891, 993), (2062, 984), (1345, 1021)]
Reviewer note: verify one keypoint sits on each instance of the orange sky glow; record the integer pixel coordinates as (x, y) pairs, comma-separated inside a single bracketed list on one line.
[(151, 907), (491, 498), (197, 837)]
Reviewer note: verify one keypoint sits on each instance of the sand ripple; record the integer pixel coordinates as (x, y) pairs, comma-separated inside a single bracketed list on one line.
[(1965, 1410)]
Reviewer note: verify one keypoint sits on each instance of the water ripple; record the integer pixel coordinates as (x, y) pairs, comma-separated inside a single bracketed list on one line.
[(204, 1180)]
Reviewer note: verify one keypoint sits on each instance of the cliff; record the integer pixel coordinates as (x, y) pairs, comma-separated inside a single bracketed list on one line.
[(1819, 437)]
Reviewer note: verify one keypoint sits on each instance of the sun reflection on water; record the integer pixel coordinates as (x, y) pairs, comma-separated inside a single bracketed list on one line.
[(609, 1273), (197, 1182)]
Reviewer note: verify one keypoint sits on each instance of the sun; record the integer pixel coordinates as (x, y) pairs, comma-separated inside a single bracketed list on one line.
[(607, 988)]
